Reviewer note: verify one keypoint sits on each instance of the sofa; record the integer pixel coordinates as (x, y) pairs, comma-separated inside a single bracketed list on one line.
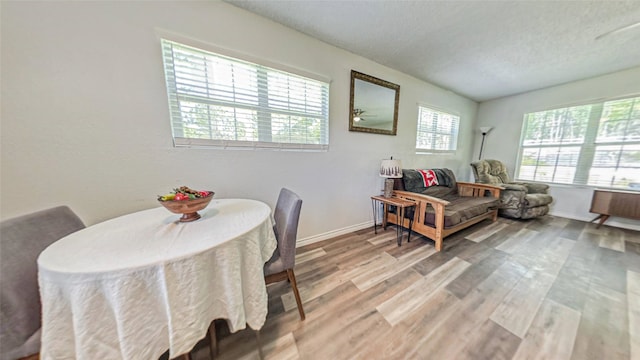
[(443, 204), (518, 200)]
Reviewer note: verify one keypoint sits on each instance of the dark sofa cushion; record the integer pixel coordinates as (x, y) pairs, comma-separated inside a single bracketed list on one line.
[(461, 209), (412, 181)]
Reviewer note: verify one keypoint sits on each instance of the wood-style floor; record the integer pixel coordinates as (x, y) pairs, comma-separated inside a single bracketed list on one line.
[(549, 288)]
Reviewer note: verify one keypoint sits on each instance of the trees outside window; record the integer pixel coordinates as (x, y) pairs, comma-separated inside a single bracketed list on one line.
[(595, 144)]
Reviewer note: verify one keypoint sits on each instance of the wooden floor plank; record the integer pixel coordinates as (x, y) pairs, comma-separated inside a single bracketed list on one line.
[(573, 229), (549, 256), (454, 247), (405, 303), (374, 274), (310, 255), (516, 312), (518, 241), (633, 302), (407, 335), (311, 288), (491, 341), (572, 283), (613, 243), (609, 270), (501, 236), (313, 337), (485, 232), (631, 235), (603, 332), (552, 333), (472, 312), (556, 288), (476, 273), (632, 256)]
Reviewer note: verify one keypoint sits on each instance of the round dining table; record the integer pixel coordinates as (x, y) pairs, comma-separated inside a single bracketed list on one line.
[(138, 285)]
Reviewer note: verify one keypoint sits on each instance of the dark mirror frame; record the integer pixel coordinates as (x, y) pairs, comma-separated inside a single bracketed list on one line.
[(355, 99)]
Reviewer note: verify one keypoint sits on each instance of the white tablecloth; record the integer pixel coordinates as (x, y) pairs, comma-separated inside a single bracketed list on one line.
[(137, 285)]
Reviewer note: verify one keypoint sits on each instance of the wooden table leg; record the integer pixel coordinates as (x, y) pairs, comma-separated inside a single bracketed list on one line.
[(410, 226), (602, 220), (385, 211), (213, 340), (400, 214), (375, 216)]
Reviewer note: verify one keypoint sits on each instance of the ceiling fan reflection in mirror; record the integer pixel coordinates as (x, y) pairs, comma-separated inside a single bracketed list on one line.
[(357, 115)]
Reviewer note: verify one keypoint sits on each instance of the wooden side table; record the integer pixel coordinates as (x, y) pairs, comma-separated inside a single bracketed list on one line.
[(401, 206)]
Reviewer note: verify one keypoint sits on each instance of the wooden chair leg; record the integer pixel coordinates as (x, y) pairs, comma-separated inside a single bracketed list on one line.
[(213, 340), (294, 285), (260, 354)]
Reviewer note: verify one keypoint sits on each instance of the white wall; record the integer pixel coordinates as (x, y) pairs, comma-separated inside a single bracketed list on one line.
[(85, 121), (505, 116)]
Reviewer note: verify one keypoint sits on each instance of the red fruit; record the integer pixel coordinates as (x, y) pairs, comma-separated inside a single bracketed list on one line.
[(180, 197), (203, 193)]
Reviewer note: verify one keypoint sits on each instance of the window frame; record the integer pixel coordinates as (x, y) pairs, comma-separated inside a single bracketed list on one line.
[(261, 117), (454, 133), (587, 148)]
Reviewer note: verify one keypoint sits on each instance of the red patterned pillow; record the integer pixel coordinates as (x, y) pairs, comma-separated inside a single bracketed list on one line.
[(429, 177)]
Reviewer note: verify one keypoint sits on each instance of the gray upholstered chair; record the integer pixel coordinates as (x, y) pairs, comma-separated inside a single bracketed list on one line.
[(22, 239), (519, 200), (280, 266)]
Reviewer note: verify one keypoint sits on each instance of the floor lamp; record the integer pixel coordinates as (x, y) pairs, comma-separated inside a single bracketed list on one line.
[(484, 130)]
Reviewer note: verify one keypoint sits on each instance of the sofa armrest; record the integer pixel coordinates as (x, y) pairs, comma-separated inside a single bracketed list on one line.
[(417, 197), (422, 202), (478, 189)]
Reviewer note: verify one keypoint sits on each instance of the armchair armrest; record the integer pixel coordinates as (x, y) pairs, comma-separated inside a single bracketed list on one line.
[(515, 187), (478, 189), (537, 188)]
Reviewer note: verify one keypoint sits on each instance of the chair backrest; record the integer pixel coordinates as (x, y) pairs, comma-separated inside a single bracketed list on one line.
[(490, 172), (287, 216), (22, 239)]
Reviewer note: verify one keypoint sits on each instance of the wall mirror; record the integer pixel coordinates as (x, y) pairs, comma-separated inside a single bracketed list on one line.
[(374, 105)]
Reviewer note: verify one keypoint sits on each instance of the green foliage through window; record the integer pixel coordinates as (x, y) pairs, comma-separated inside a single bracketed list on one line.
[(596, 144), (437, 131), (220, 101)]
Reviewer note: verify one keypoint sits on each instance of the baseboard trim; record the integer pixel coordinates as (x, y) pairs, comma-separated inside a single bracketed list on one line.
[(333, 233)]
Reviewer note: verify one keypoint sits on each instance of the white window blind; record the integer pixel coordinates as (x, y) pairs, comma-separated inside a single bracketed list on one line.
[(595, 144), (220, 101), (437, 131)]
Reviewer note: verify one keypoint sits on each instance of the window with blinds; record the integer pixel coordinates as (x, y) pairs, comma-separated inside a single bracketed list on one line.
[(595, 144), (437, 131), (224, 102)]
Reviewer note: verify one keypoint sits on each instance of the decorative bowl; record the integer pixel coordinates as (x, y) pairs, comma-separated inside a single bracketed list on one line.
[(188, 208)]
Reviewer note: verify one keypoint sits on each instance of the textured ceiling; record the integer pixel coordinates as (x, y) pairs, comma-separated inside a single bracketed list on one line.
[(479, 49)]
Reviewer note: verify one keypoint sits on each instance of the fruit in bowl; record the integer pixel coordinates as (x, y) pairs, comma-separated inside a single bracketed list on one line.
[(186, 201)]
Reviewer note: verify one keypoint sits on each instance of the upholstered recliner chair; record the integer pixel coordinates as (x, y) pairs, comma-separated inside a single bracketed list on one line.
[(519, 200)]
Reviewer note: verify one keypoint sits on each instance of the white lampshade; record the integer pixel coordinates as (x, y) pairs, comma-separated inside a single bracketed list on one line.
[(391, 168), (485, 129)]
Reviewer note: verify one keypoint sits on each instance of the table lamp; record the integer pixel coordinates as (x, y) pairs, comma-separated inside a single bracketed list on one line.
[(390, 169)]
